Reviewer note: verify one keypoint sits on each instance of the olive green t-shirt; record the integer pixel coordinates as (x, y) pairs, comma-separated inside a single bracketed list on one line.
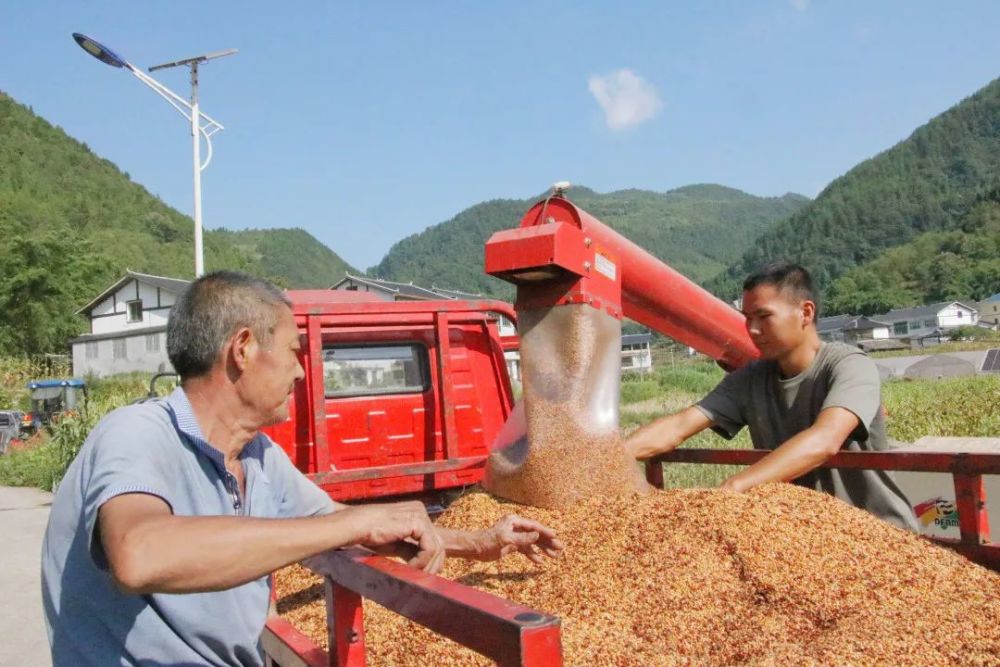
[(775, 409)]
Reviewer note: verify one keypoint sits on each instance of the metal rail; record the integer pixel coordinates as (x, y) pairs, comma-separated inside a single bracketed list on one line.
[(967, 472), (511, 634)]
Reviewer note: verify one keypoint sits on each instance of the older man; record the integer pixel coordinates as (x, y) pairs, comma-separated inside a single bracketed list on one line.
[(167, 524)]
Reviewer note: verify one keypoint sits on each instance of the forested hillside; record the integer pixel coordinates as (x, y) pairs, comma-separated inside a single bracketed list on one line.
[(72, 222), (960, 264), (931, 182), (697, 229)]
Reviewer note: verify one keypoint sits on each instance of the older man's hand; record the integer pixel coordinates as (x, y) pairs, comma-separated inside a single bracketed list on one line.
[(515, 533), (387, 527)]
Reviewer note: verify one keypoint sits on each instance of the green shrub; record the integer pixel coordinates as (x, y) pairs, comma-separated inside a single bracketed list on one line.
[(633, 391), (970, 332), (693, 378)]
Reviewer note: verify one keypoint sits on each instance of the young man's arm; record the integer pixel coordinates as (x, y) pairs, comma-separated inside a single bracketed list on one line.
[(801, 453), (666, 433)]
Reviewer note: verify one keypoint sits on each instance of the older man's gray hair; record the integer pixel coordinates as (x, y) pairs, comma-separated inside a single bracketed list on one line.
[(212, 309)]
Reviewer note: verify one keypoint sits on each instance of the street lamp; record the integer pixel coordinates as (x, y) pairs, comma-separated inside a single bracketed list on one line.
[(202, 125)]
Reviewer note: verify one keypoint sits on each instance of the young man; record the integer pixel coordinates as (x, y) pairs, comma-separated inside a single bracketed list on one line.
[(804, 399), (167, 524)]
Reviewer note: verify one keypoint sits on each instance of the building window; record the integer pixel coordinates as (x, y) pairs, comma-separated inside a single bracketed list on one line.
[(133, 311), (90, 349), (959, 314), (366, 371), (930, 323), (900, 329), (153, 343), (119, 349)]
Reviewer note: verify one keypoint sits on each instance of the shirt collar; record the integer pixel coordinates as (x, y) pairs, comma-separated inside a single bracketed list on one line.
[(187, 425)]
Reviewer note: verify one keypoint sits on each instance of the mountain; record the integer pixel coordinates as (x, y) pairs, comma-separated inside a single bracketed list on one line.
[(72, 222), (930, 182), (698, 230), (957, 265), (289, 257)]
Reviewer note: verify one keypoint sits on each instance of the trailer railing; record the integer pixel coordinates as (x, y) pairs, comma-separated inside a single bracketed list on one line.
[(967, 472), (511, 634)]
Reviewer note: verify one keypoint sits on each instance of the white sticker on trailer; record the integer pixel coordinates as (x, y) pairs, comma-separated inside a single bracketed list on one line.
[(605, 266)]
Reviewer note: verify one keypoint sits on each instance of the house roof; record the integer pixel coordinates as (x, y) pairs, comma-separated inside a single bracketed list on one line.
[(847, 323), (408, 290), (834, 323), (175, 285), (455, 294), (995, 297), (636, 339), (918, 312)]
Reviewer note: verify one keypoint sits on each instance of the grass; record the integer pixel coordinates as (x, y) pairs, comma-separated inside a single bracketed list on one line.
[(954, 407)]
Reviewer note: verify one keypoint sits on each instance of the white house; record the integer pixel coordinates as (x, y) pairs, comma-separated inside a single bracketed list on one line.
[(989, 310), (923, 321), (636, 354), (851, 329), (128, 323)]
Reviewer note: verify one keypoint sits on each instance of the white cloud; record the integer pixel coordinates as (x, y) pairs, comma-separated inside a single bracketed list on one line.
[(800, 5), (626, 98)]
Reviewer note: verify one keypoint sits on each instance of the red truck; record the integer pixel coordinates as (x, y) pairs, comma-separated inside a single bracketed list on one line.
[(399, 398)]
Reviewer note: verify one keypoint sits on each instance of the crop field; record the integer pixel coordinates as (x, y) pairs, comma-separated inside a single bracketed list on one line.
[(957, 407), (954, 407)]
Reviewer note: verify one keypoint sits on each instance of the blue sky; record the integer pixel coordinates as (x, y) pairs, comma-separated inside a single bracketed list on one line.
[(366, 122)]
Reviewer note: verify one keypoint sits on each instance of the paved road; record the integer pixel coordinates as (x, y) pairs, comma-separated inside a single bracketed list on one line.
[(898, 365), (23, 513)]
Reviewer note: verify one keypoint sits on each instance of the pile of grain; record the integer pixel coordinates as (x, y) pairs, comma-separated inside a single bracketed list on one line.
[(571, 361), (565, 462), (779, 575)]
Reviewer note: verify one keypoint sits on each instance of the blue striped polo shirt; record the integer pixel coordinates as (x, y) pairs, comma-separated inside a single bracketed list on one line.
[(158, 448)]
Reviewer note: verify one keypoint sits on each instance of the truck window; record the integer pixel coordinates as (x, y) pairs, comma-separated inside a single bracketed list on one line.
[(369, 370)]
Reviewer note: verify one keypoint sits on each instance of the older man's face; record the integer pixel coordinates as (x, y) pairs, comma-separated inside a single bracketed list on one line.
[(273, 370)]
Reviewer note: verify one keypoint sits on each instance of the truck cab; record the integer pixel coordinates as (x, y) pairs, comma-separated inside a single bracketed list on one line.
[(400, 398)]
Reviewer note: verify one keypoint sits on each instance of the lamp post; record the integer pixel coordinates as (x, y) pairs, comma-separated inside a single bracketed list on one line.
[(202, 125)]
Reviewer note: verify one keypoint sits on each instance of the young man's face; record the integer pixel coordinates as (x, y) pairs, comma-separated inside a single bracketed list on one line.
[(777, 321)]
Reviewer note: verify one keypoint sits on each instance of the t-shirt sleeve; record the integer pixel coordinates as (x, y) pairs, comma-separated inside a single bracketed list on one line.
[(855, 385), (299, 496), (724, 404), (124, 454)]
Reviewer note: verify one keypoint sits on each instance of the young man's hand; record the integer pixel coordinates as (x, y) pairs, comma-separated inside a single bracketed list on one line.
[(666, 433)]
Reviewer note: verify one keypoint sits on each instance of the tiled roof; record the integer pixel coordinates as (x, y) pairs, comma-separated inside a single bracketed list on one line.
[(175, 285), (919, 312)]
